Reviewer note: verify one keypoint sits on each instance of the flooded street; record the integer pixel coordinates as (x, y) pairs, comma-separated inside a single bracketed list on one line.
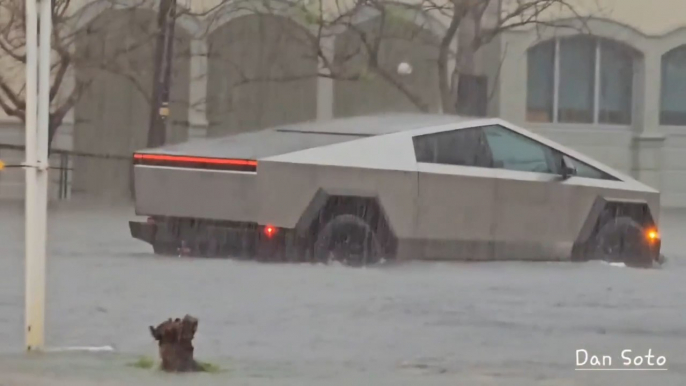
[(278, 324)]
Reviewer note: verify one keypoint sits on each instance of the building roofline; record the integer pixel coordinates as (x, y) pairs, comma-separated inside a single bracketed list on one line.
[(562, 21)]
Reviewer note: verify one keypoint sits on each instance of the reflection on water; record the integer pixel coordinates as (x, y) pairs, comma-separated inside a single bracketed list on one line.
[(267, 324)]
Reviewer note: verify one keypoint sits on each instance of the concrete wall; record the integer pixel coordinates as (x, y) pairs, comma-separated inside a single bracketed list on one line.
[(244, 55), (216, 49), (112, 46), (652, 18), (112, 117), (224, 67), (401, 41)]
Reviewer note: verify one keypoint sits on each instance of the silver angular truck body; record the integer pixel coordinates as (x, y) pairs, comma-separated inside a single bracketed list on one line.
[(397, 186)]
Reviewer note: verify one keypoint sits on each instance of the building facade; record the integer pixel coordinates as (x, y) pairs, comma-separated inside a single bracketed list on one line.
[(611, 84)]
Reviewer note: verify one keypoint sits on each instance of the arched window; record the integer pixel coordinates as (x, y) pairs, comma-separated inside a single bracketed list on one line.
[(541, 79), (673, 90), (580, 79)]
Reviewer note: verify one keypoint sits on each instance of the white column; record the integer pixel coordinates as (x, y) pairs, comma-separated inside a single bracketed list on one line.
[(596, 82), (452, 64), (650, 109), (197, 115), (556, 81), (325, 91), (648, 140)]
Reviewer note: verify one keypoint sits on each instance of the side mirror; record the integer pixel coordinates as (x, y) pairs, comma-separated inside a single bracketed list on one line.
[(566, 171)]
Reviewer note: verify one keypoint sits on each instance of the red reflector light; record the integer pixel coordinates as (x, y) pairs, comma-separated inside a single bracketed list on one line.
[(269, 230), (204, 160), (183, 161)]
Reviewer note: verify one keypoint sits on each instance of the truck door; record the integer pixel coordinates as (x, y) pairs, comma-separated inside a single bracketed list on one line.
[(530, 215), (456, 195)]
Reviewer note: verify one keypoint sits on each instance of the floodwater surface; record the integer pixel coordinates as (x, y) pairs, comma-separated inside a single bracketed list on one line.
[(300, 324)]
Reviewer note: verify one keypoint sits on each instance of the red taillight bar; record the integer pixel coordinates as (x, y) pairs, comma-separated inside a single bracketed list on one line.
[(200, 160)]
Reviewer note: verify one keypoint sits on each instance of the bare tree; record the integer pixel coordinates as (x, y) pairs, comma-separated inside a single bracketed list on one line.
[(12, 54), (436, 23), (64, 94), (483, 21)]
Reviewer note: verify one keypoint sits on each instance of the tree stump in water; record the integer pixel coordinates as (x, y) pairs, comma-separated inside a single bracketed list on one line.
[(175, 339)]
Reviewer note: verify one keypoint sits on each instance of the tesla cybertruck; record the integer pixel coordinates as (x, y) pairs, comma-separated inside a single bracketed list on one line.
[(401, 186)]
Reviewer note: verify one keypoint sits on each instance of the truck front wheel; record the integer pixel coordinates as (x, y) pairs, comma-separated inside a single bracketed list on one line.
[(623, 240), (349, 240)]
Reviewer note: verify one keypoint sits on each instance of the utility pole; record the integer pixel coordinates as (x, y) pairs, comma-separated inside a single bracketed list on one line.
[(159, 112), (38, 50)]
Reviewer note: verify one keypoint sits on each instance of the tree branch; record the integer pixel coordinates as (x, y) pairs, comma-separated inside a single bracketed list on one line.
[(4, 46), (12, 112), (11, 95), (63, 66), (444, 84)]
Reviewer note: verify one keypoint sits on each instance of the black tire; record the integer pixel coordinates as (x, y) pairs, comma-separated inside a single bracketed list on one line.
[(622, 240), (165, 249), (349, 240)]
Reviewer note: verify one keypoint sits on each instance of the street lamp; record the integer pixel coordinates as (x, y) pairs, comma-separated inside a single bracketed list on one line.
[(404, 68), (161, 85)]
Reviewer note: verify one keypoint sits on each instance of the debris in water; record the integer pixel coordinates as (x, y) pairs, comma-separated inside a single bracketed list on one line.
[(175, 339)]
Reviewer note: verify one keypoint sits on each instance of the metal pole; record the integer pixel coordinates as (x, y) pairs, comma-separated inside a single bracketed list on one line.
[(159, 111), (42, 137), (37, 117), (34, 300), (166, 69)]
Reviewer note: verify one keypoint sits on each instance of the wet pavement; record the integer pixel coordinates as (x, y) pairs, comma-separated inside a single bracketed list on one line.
[(283, 324)]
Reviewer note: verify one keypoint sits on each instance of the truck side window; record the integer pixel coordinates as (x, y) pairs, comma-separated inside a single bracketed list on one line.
[(584, 170), (463, 147), (514, 151)]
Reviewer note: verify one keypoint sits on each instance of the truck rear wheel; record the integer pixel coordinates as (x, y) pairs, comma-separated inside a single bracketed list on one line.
[(623, 240), (165, 249), (349, 240)]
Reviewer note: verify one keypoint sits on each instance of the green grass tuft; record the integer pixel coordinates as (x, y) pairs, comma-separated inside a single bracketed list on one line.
[(143, 363), (210, 367), (148, 363)]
